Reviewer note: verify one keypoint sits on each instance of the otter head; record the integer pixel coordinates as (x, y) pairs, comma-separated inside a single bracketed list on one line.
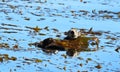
[(73, 33)]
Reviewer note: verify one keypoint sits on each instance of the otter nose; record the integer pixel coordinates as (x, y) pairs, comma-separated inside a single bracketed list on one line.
[(72, 32)]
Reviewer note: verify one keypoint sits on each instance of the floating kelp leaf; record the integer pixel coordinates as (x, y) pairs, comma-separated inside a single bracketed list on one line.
[(118, 14), (6, 57), (38, 8), (48, 60), (54, 20), (81, 0), (5, 28), (12, 7), (27, 59), (66, 62), (89, 59), (28, 27), (9, 25), (57, 14), (33, 60), (109, 42), (113, 38), (13, 58), (37, 15), (36, 29), (4, 45), (9, 18), (31, 44), (72, 11), (15, 46), (42, 34), (107, 32), (0, 38), (16, 29), (45, 65), (12, 39), (18, 66), (59, 68), (64, 68), (61, 3), (98, 66), (108, 37), (80, 58), (1, 59), (117, 49), (58, 35), (9, 32), (25, 18), (30, 49), (73, 21), (27, 62), (46, 28), (32, 33), (38, 60), (56, 30), (106, 16), (81, 64), (42, 19), (85, 2)]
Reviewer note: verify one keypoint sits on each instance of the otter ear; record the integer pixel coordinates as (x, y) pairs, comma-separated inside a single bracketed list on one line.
[(65, 33)]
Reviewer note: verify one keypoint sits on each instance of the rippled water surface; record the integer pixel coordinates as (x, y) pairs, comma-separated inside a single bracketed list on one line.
[(25, 22)]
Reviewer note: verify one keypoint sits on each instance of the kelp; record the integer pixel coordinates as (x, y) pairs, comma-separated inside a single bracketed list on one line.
[(6, 57), (4, 45)]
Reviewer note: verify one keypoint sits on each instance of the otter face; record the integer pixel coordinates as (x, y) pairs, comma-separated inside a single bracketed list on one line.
[(73, 33)]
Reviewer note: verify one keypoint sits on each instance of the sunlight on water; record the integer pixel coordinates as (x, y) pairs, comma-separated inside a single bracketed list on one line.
[(26, 22)]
